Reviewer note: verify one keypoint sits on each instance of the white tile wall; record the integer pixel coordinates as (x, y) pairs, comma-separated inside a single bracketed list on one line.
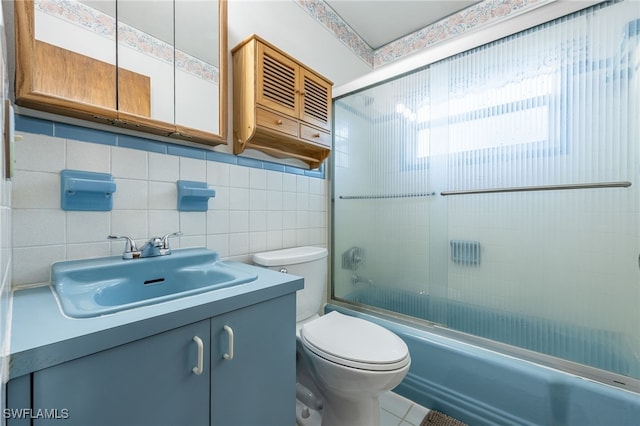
[(253, 210)]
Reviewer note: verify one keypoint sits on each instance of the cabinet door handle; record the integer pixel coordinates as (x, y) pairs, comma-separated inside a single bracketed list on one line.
[(197, 370), (316, 135), (229, 354), (279, 122)]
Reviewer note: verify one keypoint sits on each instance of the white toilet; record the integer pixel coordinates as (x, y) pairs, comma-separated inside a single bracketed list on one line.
[(352, 360)]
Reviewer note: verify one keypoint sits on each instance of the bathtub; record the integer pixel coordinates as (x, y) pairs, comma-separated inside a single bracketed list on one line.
[(482, 387)]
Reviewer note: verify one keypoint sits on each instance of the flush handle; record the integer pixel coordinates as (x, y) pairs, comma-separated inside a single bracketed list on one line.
[(197, 370), (229, 354)]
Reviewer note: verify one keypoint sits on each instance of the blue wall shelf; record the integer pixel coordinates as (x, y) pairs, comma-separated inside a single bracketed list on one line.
[(194, 196), (86, 191)]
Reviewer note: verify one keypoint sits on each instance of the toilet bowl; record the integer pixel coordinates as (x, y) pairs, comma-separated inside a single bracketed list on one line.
[(351, 361)]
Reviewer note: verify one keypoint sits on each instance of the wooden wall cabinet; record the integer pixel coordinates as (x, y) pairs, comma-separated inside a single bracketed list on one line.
[(123, 75), (280, 106)]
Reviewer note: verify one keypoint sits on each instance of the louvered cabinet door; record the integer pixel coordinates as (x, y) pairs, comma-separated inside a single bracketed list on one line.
[(277, 83), (316, 100)]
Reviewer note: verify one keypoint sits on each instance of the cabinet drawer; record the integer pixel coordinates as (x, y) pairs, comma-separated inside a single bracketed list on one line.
[(314, 135), (277, 122)]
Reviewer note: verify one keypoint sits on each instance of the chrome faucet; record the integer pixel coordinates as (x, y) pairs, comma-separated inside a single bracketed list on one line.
[(156, 246), (357, 279)]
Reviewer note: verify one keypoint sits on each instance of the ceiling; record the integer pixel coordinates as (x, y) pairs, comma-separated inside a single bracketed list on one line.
[(380, 22)]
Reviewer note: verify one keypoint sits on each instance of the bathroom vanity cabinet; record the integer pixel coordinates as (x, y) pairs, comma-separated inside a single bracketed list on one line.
[(146, 382), (281, 107), (247, 358)]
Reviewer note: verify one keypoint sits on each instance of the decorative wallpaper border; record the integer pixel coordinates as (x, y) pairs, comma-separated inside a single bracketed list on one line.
[(100, 23), (483, 14), (325, 15)]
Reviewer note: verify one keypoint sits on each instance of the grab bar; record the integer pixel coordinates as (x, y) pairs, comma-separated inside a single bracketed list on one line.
[(377, 197), (623, 184)]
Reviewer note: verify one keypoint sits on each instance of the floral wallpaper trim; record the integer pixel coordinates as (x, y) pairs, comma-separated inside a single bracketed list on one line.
[(482, 14), (100, 23), (325, 15), (485, 13), (79, 14)]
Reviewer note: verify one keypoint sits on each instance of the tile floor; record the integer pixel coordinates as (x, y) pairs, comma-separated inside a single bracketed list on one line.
[(396, 410)]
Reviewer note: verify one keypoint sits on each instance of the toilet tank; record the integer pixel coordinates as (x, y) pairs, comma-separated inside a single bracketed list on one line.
[(309, 263)]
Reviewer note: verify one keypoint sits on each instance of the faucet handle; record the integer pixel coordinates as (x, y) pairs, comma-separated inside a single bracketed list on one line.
[(165, 241), (130, 248)]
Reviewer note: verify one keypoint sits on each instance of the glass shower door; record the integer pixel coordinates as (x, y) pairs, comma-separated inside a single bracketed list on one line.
[(381, 201), (496, 192)]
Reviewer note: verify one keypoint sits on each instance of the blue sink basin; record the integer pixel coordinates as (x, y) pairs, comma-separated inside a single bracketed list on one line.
[(92, 287)]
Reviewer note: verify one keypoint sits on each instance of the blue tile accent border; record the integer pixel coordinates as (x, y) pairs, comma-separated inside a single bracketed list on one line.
[(34, 125), (293, 170), (274, 166), (69, 131), (142, 144), (250, 162), (185, 151), (222, 157), (316, 173), (62, 130)]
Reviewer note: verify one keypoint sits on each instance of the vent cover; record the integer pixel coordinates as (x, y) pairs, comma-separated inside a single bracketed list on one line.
[(279, 82), (315, 100)]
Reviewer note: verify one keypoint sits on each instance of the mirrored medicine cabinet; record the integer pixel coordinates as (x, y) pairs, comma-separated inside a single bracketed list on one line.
[(155, 66)]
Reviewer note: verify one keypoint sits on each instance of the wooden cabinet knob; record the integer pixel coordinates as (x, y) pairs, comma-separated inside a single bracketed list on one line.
[(279, 122)]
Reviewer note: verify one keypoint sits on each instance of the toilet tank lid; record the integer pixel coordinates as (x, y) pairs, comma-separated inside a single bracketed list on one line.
[(289, 256)]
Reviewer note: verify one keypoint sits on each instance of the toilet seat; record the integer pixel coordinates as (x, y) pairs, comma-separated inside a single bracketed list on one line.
[(355, 343), (300, 324)]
